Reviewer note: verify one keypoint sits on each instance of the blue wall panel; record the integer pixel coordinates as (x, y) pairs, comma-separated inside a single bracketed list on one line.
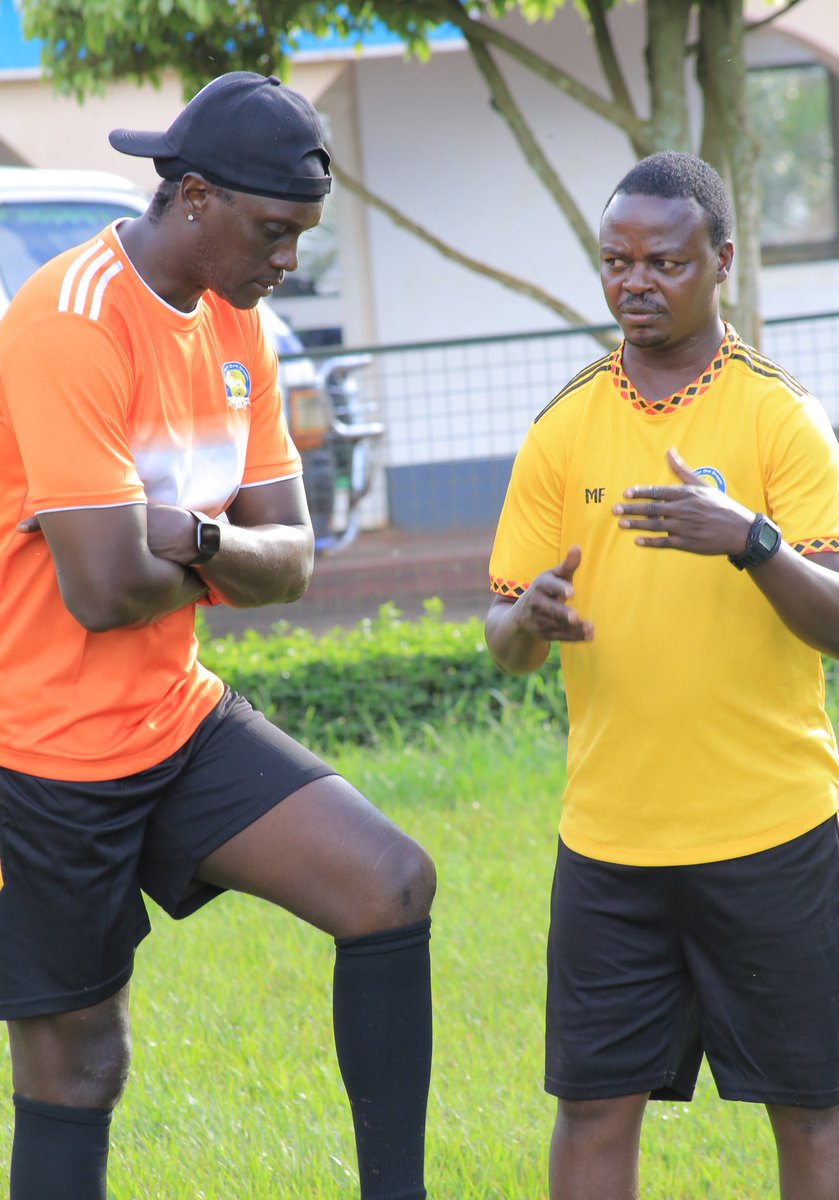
[(465, 494)]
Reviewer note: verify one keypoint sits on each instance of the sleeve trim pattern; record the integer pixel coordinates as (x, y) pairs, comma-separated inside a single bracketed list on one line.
[(816, 545), (507, 587)]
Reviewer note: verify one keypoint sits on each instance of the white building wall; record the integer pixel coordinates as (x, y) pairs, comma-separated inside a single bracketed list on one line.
[(435, 148), (424, 136), (432, 145), (48, 130)]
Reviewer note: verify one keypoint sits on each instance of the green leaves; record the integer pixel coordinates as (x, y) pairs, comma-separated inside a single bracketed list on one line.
[(382, 680), (89, 42)]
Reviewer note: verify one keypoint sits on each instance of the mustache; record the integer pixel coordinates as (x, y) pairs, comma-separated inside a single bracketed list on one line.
[(634, 307)]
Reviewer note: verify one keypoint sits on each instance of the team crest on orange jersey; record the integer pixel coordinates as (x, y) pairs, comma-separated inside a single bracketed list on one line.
[(237, 381)]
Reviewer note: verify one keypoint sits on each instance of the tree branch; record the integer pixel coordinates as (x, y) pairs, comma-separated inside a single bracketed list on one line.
[(609, 60), (753, 25), (513, 282), (626, 119), (507, 108)]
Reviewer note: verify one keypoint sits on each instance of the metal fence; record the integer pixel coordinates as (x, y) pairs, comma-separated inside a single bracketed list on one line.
[(456, 411)]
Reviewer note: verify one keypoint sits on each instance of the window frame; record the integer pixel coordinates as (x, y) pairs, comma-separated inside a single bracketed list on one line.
[(804, 252)]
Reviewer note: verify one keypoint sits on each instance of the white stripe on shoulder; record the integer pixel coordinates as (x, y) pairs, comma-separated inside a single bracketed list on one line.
[(99, 292), (72, 272), (83, 290)]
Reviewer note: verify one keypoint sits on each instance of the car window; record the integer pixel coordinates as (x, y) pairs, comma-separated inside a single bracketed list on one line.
[(34, 231)]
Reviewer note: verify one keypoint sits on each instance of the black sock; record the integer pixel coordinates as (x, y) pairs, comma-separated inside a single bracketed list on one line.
[(59, 1153), (382, 1017)]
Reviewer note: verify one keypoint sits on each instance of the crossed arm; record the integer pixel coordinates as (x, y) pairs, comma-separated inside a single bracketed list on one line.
[(129, 566), (688, 517)]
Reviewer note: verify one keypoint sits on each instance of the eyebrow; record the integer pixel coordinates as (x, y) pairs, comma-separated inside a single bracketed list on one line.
[(662, 252)]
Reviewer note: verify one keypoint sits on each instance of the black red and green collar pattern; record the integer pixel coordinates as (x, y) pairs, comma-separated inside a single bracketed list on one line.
[(686, 395)]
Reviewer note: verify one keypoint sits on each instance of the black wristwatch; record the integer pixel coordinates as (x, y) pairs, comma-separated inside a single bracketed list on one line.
[(764, 540), (207, 539)]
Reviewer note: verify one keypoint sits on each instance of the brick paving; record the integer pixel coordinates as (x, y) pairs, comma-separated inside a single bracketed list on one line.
[(382, 565)]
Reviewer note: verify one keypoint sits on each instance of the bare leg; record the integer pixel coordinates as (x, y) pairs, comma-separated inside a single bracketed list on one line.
[(329, 856), (78, 1058), (69, 1071), (808, 1151), (595, 1149)]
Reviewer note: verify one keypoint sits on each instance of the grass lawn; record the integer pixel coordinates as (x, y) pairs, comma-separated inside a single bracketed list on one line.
[(235, 1093)]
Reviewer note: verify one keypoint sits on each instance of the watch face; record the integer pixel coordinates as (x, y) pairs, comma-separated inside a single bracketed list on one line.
[(768, 537), (208, 537)]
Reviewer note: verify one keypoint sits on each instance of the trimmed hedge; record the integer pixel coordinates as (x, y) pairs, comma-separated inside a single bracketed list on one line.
[(390, 680), (384, 679)]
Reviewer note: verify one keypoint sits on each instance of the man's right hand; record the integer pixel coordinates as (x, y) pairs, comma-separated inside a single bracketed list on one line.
[(520, 632), (544, 610)]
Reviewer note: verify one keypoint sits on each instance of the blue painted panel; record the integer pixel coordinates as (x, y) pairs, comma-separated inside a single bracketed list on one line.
[(15, 53), (466, 494)]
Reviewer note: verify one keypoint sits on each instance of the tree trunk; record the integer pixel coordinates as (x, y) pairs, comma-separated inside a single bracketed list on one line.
[(667, 27), (730, 145)]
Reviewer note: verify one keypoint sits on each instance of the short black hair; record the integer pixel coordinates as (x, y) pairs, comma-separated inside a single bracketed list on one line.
[(162, 201), (674, 175), (164, 198)]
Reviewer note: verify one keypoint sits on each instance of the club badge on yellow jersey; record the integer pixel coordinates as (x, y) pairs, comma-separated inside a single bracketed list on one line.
[(711, 477)]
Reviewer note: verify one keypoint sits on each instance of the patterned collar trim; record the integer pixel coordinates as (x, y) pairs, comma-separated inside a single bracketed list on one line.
[(679, 399)]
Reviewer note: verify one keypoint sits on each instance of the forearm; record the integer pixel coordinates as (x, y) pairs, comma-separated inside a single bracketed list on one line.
[(805, 596), (259, 565), (161, 588), (182, 588), (515, 650)]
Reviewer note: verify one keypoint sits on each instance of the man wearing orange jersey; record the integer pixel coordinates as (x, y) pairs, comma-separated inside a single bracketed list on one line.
[(147, 467), (696, 898)]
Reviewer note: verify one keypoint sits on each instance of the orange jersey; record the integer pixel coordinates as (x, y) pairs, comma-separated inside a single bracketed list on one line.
[(109, 396)]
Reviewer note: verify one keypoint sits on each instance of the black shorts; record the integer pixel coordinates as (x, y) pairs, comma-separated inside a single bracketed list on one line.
[(650, 967), (75, 856)]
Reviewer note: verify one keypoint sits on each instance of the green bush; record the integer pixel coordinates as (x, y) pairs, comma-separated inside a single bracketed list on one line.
[(831, 700), (390, 680), (382, 680)]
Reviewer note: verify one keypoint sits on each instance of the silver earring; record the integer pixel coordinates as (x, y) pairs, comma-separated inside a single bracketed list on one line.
[(190, 217)]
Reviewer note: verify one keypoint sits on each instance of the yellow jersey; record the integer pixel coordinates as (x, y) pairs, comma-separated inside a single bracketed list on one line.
[(697, 723)]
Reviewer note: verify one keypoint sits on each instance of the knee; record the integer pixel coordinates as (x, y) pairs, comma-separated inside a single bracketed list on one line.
[(101, 1073), (614, 1118), (404, 886), (71, 1060)]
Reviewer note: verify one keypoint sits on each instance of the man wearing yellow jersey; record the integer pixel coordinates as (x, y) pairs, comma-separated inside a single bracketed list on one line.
[(673, 520), (147, 466)]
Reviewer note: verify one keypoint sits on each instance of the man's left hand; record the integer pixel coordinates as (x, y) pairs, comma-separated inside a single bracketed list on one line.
[(687, 516), (170, 532)]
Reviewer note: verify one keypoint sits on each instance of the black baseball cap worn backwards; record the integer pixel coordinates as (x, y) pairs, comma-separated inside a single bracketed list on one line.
[(246, 132)]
